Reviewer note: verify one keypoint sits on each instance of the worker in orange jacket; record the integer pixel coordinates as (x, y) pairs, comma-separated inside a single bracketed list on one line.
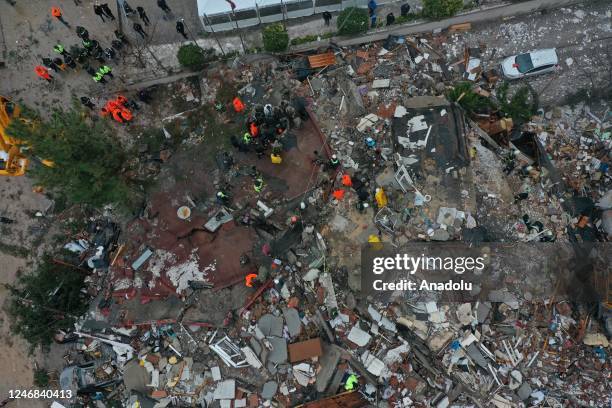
[(238, 105), (43, 73), (57, 13)]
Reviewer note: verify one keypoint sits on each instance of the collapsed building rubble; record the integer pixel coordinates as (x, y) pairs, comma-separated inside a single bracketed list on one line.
[(176, 322)]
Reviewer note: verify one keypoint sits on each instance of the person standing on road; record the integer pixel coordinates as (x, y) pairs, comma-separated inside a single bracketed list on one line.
[(82, 33), (405, 9), (143, 15), (107, 11), (129, 11), (390, 19), (138, 28), (180, 28), (57, 13), (327, 17), (163, 5), (99, 11), (69, 61)]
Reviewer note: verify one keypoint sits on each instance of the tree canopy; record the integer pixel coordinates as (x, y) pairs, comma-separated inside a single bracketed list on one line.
[(352, 20), (194, 57), (437, 9), (275, 38), (87, 157), (45, 301)]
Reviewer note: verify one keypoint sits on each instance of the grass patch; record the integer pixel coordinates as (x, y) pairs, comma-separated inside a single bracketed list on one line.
[(311, 38)]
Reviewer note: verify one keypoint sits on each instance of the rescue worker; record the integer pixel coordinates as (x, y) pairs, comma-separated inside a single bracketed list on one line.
[(43, 73), (59, 48), (87, 44), (110, 53), (106, 70), (258, 185), (334, 162), (246, 138), (87, 102), (117, 115), (99, 78), (144, 96), (351, 383), (98, 54), (121, 37), (327, 17), (222, 198), (58, 61), (405, 9), (390, 19), (116, 44), (253, 129), (129, 11), (238, 105), (50, 64), (82, 32), (57, 13)]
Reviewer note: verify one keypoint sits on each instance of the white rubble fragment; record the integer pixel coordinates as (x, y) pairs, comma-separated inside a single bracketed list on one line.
[(359, 337)]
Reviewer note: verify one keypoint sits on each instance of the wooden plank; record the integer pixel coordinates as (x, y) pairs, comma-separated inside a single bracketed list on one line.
[(460, 27), (322, 60)]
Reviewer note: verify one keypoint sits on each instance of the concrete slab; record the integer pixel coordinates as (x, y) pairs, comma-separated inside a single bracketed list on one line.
[(328, 362), (278, 354), (271, 325), (269, 390), (292, 319)]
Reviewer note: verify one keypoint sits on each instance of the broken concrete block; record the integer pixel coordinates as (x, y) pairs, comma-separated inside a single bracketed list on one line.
[(439, 340), (216, 373), (292, 319), (359, 337), (269, 390), (225, 390), (381, 83), (271, 325)]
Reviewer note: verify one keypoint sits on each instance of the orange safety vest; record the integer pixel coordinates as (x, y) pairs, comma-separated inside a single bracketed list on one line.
[(238, 105), (117, 116), (126, 114), (346, 180), (122, 100), (112, 105), (338, 194), (42, 72), (56, 12), (254, 130)]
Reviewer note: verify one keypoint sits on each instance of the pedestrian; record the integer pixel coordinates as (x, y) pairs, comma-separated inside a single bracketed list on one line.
[(373, 21), (121, 37), (334, 162), (258, 184), (69, 61), (43, 73), (143, 15), (82, 32), (405, 9), (99, 11), (82, 56), (390, 19), (59, 48), (87, 102), (106, 70), (372, 5), (180, 28), (138, 28), (107, 11), (6, 220), (50, 64), (129, 11), (163, 5), (327, 17), (57, 13), (110, 53)]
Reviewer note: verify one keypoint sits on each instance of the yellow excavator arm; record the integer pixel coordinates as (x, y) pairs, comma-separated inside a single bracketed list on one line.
[(12, 161)]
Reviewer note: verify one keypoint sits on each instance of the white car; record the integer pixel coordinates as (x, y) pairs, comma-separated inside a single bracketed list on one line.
[(531, 63)]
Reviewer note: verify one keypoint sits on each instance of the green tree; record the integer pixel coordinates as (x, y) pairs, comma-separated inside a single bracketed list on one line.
[(275, 38), (87, 158), (194, 57), (437, 9), (45, 301), (352, 20), (463, 94), (521, 106)]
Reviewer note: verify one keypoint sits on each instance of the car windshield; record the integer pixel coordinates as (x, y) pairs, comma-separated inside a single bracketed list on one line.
[(524, 63)]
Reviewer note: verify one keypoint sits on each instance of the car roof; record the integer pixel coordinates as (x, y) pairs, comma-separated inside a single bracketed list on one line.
[(544, 57)]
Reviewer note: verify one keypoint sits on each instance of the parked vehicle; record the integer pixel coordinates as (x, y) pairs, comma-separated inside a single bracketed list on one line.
[(531, 63)]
